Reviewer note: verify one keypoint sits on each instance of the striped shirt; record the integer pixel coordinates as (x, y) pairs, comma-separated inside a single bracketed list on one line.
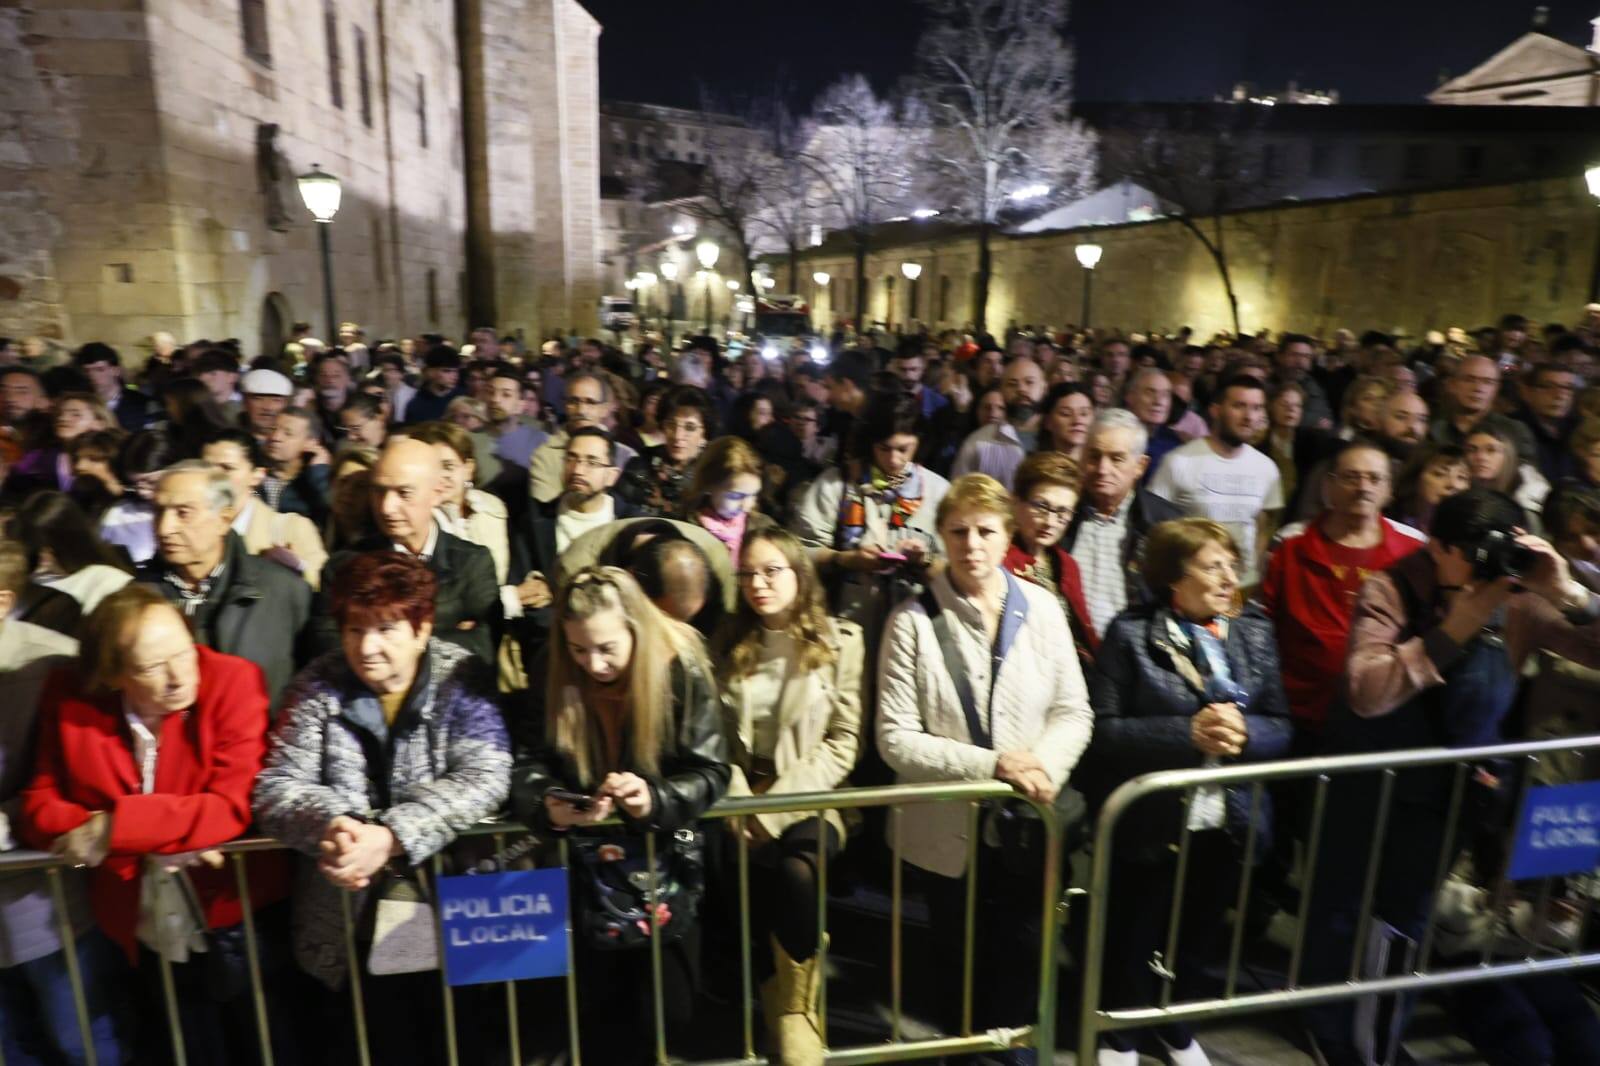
[(1098, 553)]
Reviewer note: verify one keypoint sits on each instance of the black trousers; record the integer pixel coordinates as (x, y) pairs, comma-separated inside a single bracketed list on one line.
[(783, 888), (1137, 928), (616, 1007), (1009, 921)]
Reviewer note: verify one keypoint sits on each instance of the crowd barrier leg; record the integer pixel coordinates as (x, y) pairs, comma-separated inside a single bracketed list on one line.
[(1447, 852), (69, 945), (258, 993), (513, 1026), (746, 969), (820, 967), (353, 963), (169, 993), (1308, 881), (971, 920), (657, 996), (1167, 968), (1242, 901), (574, 1043), (452, 1048), (1369, 886), (896, 927)]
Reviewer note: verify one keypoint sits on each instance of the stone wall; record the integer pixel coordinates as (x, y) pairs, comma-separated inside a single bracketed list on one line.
[(143, 188), (1413, 262)]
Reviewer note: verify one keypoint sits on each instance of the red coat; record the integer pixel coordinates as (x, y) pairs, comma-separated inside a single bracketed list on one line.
[(1021, 564), (209, 759)]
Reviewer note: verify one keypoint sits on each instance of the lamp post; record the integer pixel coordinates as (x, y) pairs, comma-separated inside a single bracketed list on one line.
[(646, 281), (321, 193), (912, 272), (1592, 176), (1088, 257), (707, 252), (669, 271)]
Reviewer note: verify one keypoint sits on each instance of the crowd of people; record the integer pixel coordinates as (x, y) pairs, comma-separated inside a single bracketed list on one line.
[(361, 598)]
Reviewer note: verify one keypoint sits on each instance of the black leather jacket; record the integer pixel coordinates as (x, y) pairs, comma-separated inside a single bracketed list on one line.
[(693, 774)]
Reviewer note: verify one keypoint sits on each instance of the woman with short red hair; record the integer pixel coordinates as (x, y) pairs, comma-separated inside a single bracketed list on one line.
[(383, 752)]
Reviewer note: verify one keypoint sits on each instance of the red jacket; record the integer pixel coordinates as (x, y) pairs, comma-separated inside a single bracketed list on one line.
[(209, 759), (1310, 592), (1019, 563)]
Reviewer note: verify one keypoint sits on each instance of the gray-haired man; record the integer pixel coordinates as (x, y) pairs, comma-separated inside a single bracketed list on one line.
[(235, 602)]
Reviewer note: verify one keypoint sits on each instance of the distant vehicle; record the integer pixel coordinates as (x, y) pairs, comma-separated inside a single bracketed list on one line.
[(781, 322), (616, 314)]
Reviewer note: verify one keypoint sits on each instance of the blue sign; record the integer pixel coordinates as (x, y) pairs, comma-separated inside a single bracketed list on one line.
[(1560, 832), (504, 927)]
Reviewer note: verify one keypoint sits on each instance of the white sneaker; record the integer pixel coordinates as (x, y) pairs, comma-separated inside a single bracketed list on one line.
[(1107, 1057), (1191, 1054)]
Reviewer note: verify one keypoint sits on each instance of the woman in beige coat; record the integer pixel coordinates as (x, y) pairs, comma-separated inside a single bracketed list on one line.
[(791, 699)]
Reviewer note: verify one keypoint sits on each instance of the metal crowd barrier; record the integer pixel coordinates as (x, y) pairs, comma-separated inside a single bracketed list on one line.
[(1039, 1035), (1095, 1020)]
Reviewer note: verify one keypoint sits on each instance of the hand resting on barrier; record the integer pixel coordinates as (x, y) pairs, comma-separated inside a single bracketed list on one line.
[(1023, 771), (353, 851)]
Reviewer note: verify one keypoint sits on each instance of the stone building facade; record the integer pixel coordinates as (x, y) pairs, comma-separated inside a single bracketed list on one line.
[(1410, 262), (149, 148), (1537, 69)]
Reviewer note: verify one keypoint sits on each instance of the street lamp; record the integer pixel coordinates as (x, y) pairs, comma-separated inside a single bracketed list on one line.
[(1088, 257), (669, 271), (321, 193), (912, 271), (706, 252)]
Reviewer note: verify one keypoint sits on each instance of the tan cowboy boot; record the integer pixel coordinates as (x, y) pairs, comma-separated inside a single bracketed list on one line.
[(789, 1002)]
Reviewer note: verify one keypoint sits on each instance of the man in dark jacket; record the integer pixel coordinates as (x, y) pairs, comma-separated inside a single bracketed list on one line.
[(1106, 536), (234, 602), (405, 490), (103, 366)]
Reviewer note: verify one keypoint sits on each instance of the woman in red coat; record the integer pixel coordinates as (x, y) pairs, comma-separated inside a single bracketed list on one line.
[(1046, 487), (144, 765)]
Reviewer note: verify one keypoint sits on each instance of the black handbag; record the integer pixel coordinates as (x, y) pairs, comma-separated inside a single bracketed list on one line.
[(610, 876)]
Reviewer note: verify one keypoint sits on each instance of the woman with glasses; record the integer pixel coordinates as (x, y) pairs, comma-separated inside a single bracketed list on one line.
[(652, 483), (1185, 680), (791, 707), (1046, 487), (724, 492), (626, 726)]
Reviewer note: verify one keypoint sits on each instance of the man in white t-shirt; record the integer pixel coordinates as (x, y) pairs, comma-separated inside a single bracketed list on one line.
[(1222, 478)]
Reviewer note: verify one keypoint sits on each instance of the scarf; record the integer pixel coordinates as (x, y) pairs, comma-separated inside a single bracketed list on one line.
[(901, 494), (730, 531)]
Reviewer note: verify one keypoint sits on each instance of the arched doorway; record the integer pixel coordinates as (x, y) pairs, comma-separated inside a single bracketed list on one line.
[(275, 319)]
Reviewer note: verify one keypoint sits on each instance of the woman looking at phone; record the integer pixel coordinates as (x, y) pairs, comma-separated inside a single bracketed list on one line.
[(628, 720), (870, 520), (791, 704)]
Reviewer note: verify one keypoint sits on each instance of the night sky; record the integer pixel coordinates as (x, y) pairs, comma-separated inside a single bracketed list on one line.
[(1373, 51)]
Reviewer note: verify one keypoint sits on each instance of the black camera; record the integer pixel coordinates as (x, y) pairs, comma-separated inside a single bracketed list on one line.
[(1499, 555)]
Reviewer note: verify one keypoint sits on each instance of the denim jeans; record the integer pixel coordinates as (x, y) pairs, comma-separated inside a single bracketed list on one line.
[(39, 1019)]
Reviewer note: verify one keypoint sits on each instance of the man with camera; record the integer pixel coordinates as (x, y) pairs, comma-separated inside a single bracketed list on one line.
[(1437, 645)]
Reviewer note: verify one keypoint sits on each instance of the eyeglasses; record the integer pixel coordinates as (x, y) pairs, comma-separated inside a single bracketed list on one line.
[(587, 462), (1353, 478), (738, 497), (1044, 511), (768, 574), (583, 401), (683, 427)]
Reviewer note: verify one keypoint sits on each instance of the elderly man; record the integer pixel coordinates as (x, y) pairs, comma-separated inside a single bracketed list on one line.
[(1149, 397), (1470, 392), (1107, 533), (589, 403), (266, 393), (234, 602), (288, 539), (996, 450), (405, 490)]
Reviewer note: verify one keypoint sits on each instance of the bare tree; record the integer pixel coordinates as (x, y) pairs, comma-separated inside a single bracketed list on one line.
[(786, 204), (863, 158), (1201, 162), (996, 79), (728, 191)]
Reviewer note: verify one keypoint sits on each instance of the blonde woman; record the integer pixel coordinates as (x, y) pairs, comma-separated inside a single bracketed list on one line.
[(627, 725), (791, 702)]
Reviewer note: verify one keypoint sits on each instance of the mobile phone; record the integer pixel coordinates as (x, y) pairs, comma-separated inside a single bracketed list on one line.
[(579, 800), (891, 557)]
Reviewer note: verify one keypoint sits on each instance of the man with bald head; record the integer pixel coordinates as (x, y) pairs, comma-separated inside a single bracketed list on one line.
[(1469, 396), (405, 489), (997, 449)]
